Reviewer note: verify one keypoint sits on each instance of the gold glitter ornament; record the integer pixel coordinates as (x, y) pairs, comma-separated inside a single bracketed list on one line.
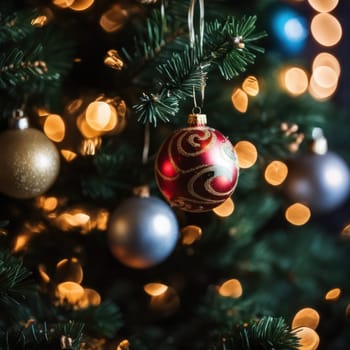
[(30, 161)]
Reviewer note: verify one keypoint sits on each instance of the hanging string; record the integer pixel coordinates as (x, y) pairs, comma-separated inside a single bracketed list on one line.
[(191, 24), (146, 143), (192, 37)]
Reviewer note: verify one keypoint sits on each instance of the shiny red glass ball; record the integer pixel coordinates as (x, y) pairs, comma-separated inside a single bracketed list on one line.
[(196, 169)]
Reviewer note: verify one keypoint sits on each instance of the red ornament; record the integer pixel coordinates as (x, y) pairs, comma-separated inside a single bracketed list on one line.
[(196, 168)]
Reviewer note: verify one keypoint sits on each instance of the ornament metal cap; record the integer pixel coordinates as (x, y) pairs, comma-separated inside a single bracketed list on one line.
[(319, 143), (18, 120), (197, 119)]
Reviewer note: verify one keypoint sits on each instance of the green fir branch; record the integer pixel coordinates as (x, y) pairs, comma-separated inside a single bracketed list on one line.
[(65, 335), (16, 26), (186, 71), (15, 282), (264, 334)]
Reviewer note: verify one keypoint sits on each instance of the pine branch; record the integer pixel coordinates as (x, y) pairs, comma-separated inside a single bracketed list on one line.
[(16, 26), (66, 335), (187, 71), (264, 334), (15, 282)]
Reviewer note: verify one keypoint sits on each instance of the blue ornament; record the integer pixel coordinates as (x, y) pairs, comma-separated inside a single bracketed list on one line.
[(289, 30), (142, 232)]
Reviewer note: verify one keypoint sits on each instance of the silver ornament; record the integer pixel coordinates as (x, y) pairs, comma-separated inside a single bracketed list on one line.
[(321, 181), (142, 232)]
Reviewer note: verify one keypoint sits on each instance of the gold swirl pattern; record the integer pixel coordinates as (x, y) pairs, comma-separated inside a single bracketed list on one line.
[(196, 169)]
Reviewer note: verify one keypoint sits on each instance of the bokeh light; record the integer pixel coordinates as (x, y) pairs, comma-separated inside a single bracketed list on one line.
[(240, 100), (68, 155), (69, 292), (326, 29), (247, 154), (54, 127), (325, 77), (308, 338), (321, 93), (69, 270), (113, 19), (295, 80), (306, 317), (333, 294), (251, 85), (231, 288), (323, 5), (225, 209), (63, 3), (81, 5), (98, 114), (276, 172), (190, 234), (298, 214), (325, 59), (155, 289)]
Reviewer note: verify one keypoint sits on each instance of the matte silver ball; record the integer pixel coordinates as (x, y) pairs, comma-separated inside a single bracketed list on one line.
[(142, 232), (321, 181)]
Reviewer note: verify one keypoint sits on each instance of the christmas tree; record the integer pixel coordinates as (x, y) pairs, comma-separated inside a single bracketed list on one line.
[(166, 182)]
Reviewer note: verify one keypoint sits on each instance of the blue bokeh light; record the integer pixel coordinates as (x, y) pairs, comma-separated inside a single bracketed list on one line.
[(290, 29)]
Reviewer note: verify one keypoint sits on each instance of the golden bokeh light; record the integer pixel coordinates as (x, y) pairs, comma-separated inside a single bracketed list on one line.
[(113, 60), (98, 114), (240, 100), (306, 317), (85, 129), (308, 338), (123, 345), (276, 172), (74, 105), (323, 5), (68, 155), (225, 209), (333, 294), (21, 242), (39, 21), (166, 303), (54, 127), (295, 81), (101, 220), (155, 289), (345, 233), (43, 273), (69, 292), (321, 93), (325, 77), (231, 288), (298, 214), (62, 3), (247, 154), (90, 298), (89, 146), (190, 234), (327, 60), (113, 19), (47, 203), (347, 311), (69, 270), (326, 29), (81, 5), (251, 85)]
